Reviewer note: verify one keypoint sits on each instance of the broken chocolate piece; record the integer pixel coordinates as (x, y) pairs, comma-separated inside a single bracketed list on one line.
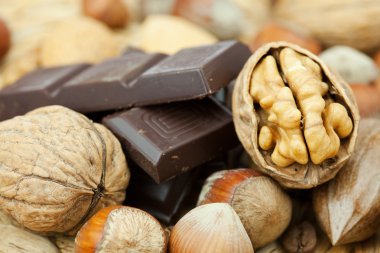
[(170, 139)]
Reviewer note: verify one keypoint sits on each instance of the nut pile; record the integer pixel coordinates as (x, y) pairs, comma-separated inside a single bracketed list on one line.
[(304, 178)]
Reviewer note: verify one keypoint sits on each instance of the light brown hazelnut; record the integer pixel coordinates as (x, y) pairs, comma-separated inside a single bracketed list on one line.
[(376, 58), (111, 12), (5, 38), (275, 31), (210, 228), (121, 229), (263, 207)]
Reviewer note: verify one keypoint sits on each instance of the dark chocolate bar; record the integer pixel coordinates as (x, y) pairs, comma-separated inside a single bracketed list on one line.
[(36, 89), (108, 85), (193, 73), (170, 139), (135, 78)]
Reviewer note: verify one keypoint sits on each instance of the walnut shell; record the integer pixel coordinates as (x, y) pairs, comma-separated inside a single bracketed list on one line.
[(57, 167), (353, 23), (247, 121), (348, 207)]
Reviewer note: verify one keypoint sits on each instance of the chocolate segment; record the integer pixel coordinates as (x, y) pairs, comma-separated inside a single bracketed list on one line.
[(36, 89), (193, 73), (108, 85), (170, 139)]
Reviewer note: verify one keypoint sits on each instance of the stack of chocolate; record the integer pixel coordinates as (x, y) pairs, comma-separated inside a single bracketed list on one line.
[(163, 109)]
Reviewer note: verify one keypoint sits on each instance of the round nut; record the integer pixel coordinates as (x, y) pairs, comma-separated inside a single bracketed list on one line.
[(368, 99), (5, 38), (296, 119), (275, 31), (121, 228), (111, 12), (57, 167)]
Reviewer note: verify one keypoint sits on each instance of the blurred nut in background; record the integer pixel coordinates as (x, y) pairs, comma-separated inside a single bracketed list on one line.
[(226, 18), (111, 12), (352, 65), (368, 99), (262, 206), (275, 31), (169, 34), (78, 40), (5, 38), (353, 23), (377, 59)]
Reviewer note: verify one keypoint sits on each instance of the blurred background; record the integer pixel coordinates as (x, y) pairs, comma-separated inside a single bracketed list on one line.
[(43, 33)]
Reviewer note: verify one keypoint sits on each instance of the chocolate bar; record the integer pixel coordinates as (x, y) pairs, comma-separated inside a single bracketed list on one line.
[(135, 78), (192, 73), (36, 89), (168, 140)]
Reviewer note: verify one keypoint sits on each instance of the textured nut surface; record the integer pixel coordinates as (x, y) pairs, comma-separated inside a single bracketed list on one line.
[(57, 167), (296, 119), (263, 207), (348, 207)]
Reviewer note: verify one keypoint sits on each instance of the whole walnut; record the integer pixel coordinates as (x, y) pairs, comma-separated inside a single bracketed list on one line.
[(353, 23), (57, 168)]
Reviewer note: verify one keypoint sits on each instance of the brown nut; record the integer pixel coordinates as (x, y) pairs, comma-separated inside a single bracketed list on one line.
[(111, 12), (275, 31), (348, 207), (368, 99), (339, 22), (300, 238), (57, 167), (121, 229), (210, 228), (296, 119), (5, 38), (262, 206)]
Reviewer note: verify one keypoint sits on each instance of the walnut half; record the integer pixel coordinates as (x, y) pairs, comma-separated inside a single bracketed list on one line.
[(297, 120)]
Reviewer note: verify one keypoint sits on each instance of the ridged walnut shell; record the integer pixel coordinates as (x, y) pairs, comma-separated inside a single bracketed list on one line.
[(57, 168), (247, 120), (354, 23)]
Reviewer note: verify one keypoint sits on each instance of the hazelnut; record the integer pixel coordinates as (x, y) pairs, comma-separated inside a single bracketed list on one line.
[(111, 12), (117, 228), (5, 38), (263, 207), (211, 228), (274, 31)]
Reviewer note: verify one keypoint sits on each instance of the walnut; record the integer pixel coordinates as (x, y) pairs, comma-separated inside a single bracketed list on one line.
[(57, 168), (296, 119), (14, 239)]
